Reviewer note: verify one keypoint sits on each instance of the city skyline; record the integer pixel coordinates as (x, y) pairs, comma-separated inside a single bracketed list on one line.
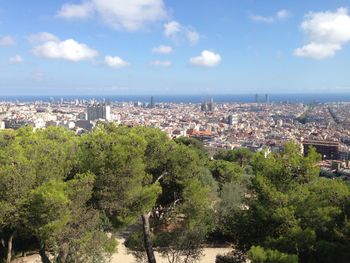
[(99, 47)]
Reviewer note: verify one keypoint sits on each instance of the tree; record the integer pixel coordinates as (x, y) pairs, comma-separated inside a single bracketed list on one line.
[(239, 155), (189, 226), (44, 201), (140, 173), (65, 193), (83, 238), (49, 214), (123, 189), (261, 255), (179, 168), (292, 211), (16, 181), (194, 144), (225, 172), (52, 152)]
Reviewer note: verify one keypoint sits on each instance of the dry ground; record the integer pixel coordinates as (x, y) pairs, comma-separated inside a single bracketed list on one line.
[(123, 257)]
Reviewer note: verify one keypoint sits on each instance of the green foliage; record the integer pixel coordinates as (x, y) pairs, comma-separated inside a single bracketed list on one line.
[(260, 255), (231, 197), (189, 225), (242, 156), (135, 246), (83, 236), (140, 171), (182, 245), (48, 205), (290, 209), (43, 199), (67, 192), (16, 181), (287, 168), (225, 172), (117, 159), (52, 152), (235, 256), (195, 145)]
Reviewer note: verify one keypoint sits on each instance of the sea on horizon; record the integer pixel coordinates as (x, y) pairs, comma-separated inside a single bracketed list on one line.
[(230, 98)]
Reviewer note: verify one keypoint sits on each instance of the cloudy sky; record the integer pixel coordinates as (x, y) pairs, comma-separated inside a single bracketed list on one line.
[(128, 47)]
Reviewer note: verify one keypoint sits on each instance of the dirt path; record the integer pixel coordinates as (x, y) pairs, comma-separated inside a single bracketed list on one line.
[(208, 257), (123, 257)]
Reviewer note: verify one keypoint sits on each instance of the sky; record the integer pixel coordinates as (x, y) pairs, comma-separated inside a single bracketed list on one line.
[(174, 47)]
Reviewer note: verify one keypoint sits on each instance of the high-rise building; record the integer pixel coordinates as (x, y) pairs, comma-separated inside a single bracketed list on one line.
[(267, 99), (256, 98), (204, 106), (211, 105), (232, 119), (98, 111), (152, 104)]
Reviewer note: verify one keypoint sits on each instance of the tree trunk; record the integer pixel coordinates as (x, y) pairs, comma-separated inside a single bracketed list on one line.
[(147, 238), (9, 249), (43, 256), (62, 256), (3, 243)]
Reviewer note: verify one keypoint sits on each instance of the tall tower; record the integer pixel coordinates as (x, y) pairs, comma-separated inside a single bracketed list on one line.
[(267, 99), (256, 98), (211, 105), (204, 106), (152, 103)]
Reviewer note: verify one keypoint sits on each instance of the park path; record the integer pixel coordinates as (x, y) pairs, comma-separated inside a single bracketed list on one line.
[(123, 257)]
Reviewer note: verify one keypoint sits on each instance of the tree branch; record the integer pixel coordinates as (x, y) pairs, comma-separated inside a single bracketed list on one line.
[(160, 177)]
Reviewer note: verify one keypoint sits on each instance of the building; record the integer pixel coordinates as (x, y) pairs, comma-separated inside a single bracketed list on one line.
[(267, 99), (207, 106), (204, 136), (328, 149), (98, 111), (232, 119), (204, 106), (84, 124), (152, 104), (211, 105), (81, 116), (16, 124)]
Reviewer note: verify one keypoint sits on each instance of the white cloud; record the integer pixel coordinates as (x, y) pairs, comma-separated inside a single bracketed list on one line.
[(263, 19), (193, 37), (327, 33), (179, 33), (282, 14), (206, 59), (16, 59), (42, 37), (115, 62), (71, 11), (317, 50), (327, 26), (163, 63), (7, 41), (162, 49), (68, 50), (131, 15), (172, 28), (279, 16)]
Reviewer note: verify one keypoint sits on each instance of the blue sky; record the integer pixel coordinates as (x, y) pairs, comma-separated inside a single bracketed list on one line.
[(139, 47)]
